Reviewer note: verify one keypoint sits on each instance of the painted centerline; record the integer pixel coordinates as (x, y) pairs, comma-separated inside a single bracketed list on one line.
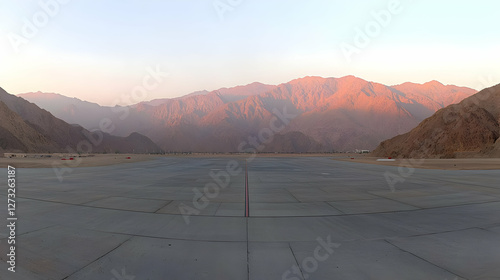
[(247, 198)]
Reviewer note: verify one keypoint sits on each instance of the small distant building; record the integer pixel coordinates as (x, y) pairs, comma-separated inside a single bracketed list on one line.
[(362, 151)]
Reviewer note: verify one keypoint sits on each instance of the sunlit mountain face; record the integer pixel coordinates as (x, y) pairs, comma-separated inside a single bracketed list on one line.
[(329, 114)]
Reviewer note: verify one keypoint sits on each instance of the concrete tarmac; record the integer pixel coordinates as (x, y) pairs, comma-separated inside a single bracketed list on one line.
[(310, 218)]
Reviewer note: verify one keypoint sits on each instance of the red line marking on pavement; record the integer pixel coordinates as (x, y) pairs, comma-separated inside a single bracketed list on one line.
[(247, 201)]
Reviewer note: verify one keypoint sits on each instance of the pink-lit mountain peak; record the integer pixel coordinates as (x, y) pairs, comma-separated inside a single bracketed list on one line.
[(434, 83), (435, 91), (345, 85)]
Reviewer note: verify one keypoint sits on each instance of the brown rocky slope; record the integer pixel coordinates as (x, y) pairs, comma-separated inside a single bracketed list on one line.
[(470, 128), (24, 127), (17, 136)]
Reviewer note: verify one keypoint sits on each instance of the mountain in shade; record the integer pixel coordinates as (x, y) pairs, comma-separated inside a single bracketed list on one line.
[(470, 128), (27, 128), (17, 136), (71, 110), (330, 114)]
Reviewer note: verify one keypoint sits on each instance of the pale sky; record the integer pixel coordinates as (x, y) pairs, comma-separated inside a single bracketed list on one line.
[(99, 50)]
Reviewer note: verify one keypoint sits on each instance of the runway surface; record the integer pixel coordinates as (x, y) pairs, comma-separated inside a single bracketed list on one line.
[(309, 218)]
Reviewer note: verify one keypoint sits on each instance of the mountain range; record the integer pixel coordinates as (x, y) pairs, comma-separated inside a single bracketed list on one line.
[(470, 128), (330, 114), (24, 127)]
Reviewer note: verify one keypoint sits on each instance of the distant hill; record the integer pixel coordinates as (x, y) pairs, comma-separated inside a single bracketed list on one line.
[(229, 94), (71, 110), (17, 136), (25, 127), (470, 128), (340, 114)]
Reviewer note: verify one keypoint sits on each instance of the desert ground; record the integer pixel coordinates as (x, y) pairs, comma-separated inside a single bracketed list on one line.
[(111, 159), (183, 217), (85, 161), (445, 164)]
